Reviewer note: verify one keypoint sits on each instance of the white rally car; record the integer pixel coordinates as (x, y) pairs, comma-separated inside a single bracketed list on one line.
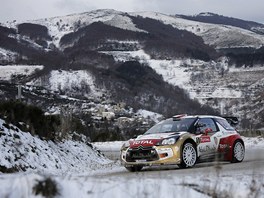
[(184, 141)]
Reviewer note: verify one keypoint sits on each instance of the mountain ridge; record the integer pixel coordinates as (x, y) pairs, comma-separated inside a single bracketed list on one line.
[(185, 64), (209, 17)]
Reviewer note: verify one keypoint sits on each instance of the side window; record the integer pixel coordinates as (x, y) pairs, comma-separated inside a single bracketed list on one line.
[(207, 123), (225, 124)]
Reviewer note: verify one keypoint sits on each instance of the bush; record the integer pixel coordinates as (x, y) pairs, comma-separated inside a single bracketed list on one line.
[(47, 188), (4, 169)]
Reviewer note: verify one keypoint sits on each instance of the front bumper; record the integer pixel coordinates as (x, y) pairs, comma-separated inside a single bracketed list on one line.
[(151, 156)]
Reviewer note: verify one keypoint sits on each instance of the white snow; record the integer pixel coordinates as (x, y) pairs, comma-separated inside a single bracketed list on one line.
[(21, 149), (156, 117), (123, 22), (254, 142), (65, 79), (113, 146), (68, 81), (226, 93), (8, 71), (7, 55)]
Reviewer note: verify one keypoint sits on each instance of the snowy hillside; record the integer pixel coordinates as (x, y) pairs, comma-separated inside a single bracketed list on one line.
[(20, 151), (224, 87), (219, 36), (60, 26)]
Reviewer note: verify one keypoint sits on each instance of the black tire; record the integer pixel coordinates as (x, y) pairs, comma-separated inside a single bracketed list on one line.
[(238, 152), (188, 155), (134, 168)]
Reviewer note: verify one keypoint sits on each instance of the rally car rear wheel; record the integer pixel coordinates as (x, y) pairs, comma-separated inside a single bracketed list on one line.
[(189, 155), (238, 152), (134, 168)]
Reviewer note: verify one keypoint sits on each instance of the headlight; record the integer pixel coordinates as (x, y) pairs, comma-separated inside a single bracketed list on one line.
[(125, 145), (168, 141)]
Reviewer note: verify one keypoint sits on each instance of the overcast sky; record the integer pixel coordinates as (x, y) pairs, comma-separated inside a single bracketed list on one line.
[(22, 10)]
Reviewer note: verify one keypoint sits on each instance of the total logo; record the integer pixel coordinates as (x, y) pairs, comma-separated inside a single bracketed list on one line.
[(137, 142)]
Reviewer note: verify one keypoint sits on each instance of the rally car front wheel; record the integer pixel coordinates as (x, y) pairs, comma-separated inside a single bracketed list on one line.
[(188, 156)]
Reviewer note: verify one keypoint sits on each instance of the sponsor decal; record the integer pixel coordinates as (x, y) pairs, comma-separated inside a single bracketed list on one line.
[(138, 142), (143, 143), (206, 148), (223, 146), (205, 139)]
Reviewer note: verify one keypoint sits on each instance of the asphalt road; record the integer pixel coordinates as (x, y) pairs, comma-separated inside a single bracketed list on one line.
[(222, 179), (253, 164)]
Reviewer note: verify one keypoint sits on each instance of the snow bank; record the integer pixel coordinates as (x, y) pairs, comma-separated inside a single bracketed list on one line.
[(254, 142), (22, 151), (153, 184)]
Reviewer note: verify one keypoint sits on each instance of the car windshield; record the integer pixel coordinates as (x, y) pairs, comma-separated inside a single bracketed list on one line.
[(171, 125)]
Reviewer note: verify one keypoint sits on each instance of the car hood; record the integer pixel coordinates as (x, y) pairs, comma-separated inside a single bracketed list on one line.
[(149, 140)]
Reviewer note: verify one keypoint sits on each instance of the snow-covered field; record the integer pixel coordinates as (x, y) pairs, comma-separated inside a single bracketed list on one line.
[(78, 170)]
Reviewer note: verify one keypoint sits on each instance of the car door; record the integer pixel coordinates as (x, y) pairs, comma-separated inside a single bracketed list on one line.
[(207, 137)]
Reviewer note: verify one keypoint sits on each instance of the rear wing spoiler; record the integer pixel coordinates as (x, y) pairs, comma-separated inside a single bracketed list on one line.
[(233, 121)]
